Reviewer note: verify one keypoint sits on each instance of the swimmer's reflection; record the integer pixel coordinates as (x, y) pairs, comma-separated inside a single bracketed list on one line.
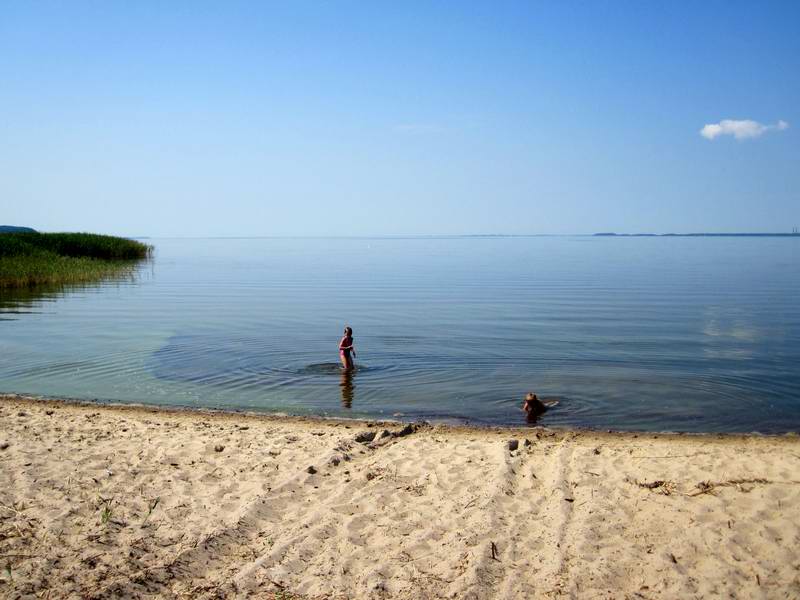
[(347, 387)]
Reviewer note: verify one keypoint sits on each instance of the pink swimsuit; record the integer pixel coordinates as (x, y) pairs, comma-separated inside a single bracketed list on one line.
[(345, 351)]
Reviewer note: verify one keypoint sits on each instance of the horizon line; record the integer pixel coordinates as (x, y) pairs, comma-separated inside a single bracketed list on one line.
[(472, 235)]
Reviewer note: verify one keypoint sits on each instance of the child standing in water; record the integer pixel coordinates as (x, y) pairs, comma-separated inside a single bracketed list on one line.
[(346, 347)]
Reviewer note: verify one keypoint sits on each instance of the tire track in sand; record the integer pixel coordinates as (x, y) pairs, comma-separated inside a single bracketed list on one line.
[(262, 529)]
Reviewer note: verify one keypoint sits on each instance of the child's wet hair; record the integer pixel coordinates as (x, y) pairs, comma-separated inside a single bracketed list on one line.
[(348, 330)]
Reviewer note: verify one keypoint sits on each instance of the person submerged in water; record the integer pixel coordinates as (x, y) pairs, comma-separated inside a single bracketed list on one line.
[(533, 407), (346, 348)]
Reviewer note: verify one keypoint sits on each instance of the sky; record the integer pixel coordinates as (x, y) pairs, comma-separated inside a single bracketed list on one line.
[(395, 118)]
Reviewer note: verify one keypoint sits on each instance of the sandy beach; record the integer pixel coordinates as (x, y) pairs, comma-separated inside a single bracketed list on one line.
[(133, 502)]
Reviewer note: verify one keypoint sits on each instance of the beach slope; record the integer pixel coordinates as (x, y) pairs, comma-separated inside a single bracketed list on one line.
[(131, 502)]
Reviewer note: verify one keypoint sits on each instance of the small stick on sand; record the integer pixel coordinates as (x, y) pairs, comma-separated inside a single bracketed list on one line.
[(276, 584), (709, 487)]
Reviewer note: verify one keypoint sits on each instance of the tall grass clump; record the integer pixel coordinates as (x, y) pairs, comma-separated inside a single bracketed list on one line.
[(28, 259)]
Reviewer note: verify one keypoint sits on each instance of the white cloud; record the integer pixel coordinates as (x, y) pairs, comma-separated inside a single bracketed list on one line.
[(741, 130)]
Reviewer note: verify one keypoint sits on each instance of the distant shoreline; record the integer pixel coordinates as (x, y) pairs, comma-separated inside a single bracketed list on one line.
[(797, 235), (452, 236)]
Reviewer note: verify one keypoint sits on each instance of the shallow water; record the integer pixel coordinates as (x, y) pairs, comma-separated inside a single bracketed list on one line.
[(686, 334)]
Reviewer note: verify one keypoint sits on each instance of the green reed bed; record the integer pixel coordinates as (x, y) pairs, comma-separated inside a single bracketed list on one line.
[(28, 259)]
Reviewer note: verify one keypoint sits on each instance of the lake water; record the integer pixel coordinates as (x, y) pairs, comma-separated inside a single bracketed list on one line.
[(681, 334)]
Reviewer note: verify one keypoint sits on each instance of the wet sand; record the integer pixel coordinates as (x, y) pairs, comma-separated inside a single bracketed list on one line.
[(133, 502)]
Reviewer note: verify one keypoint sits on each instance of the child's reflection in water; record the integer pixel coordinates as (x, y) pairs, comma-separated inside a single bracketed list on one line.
[(347, 387)]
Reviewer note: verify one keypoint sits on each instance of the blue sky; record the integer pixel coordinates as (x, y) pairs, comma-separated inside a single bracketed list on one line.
[(344, 118)]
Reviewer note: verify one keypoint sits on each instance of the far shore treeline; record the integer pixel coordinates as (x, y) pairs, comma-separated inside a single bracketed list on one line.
[(29, 258)]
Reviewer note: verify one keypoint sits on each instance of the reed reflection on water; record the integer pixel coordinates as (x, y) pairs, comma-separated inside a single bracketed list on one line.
[(30, 299)]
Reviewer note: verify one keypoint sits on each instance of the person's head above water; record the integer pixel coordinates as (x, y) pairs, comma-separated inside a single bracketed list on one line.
[(532, 405), (348, 331)]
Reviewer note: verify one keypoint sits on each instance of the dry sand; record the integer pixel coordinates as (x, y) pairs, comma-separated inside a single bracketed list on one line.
[(264, 507)]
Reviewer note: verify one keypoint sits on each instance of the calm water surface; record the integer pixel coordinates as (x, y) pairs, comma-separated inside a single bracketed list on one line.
[(684, 334)]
